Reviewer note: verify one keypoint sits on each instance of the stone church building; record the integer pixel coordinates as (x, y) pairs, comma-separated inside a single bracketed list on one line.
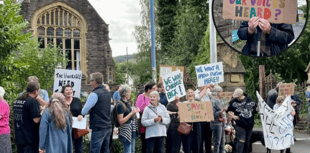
[(76, 28)]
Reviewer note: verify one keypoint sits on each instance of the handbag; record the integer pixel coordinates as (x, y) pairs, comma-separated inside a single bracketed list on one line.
[(78, 133), (185, 128)]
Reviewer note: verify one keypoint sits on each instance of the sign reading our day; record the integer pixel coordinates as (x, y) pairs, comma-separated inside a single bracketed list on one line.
[(209, 74), (71, 77), (196, 112), (277, 124), (164, 70), (275, 11), (286, 89), (173, 84)]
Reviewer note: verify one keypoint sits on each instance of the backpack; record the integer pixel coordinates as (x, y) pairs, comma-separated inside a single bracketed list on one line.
[(114, 113)]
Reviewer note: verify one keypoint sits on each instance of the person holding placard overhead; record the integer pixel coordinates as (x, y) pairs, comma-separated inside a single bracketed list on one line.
[(274, 38), (56, 127), (75, 106), (192, 141), (155, 118), (242, 110)]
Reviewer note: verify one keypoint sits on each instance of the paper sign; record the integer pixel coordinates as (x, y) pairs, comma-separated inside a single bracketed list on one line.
[(277, 124), (196, 112), (275, 11), (79, 124), (235, 36), (164, 70), (173, 84), (209, 74), (226, 96), (72, 77), (286, 89)]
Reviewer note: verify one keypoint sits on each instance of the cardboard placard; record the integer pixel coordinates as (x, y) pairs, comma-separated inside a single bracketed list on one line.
[(277, 124), (72, 77), (209, 74), (164, 70), (226, 96), (286, 89), (196, 112), (275, 11), (173, 84)]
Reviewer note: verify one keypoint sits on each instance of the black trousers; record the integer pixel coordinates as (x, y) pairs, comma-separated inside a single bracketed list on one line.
[(28, 148), (206, 137)]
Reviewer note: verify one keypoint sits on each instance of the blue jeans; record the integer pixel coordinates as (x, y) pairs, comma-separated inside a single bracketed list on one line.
[(243, 136), (100, 139), (217, 130), (128, 147), (155, 142)]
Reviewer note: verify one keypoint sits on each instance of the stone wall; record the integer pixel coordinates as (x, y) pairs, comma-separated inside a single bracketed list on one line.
[(97, 36)]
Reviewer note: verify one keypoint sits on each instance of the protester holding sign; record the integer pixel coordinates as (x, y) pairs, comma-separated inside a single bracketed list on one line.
[(217, 124), (242, 110), (75, 107), (272, 96), (56, 127), (173, 136), (27, 117), (279, 102), (143, 100), (155, 118), (192, 141), (128, 130), (274, 37)]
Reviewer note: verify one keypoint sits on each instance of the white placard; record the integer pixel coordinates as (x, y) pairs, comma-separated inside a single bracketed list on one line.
[(209, 74), (72, 77), (277, 124), (165, 70), (173, 83), (79, 124)]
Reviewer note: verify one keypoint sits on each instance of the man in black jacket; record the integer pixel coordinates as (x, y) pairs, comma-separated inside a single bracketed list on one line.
[(274, 37)]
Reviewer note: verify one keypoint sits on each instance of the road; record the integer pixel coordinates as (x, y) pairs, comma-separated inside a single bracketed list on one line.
[(298, 28), (302, 145)]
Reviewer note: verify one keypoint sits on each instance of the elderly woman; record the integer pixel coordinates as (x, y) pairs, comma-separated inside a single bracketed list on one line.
[(217, 124), (5, 140), (192, 141), (128, 129), (143, 100), (56, 127), (155, 118), (173, 136), (75, 107)]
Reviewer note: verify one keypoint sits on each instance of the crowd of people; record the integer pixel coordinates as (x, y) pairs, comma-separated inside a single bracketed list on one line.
[(45, 125)]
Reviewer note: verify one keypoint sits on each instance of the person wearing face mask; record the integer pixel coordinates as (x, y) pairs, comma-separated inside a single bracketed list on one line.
[(155, 118), (75, 106), (242, 110), (27, 117), (192, 141)]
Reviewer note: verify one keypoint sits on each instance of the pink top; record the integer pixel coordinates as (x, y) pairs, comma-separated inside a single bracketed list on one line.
[(4, 117), (142, 102)]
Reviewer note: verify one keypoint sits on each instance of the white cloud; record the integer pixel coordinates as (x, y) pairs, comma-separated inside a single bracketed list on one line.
[(122, 16)]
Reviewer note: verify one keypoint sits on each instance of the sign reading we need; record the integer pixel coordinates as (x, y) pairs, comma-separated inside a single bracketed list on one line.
[(275, 11), (72, 77), (209, 74), (173, 84)]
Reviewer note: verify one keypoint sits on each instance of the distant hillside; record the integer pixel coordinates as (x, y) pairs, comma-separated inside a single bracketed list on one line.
[(123, 58)]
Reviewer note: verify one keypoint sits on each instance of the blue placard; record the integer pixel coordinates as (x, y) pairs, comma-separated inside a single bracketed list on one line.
[(234, 36)]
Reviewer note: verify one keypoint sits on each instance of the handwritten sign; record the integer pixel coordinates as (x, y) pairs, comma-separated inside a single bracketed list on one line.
[(173, 84), (209, 74), (277, 124), (164, 70), (71, 77), (286, 89), (226, 96), (196, 112), (275, 11)]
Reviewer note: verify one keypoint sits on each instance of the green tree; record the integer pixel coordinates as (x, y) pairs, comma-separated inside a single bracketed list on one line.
[(11, 26), (120, 77)]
